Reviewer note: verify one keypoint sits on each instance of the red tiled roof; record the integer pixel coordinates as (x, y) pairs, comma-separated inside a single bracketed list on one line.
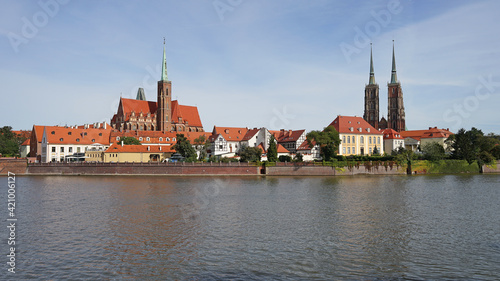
[(250, 133), (38, 130), (154, 136), (230, 133), (26, 142), (137, 106), (305, 145), (288, 136), (282, 149), (261, 146), (353, 125), (427, 134), (187, 113), (116, 148), (391, 134), (63, 135)]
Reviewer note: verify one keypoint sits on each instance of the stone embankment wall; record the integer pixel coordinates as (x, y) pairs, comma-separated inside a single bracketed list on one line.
[(299, 169), (16, 166), (144, 169)]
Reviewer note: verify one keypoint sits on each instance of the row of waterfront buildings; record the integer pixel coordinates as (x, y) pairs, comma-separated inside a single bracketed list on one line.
[(156, 125)]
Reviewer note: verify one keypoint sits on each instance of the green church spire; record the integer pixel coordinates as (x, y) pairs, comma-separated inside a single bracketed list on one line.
[(372, 73), (164, 64), (394, 77)]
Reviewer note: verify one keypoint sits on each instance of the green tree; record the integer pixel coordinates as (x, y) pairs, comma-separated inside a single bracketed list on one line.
[(375, 151), (285, 158), (272, 151), (202, 144), (328, 141), (433, 151), (472, 146), (184, 148), (130, 141), (250, 154), (299, 157), (9, 142)]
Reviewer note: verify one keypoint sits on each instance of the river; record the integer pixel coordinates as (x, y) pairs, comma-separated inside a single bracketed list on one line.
[(255, 228)]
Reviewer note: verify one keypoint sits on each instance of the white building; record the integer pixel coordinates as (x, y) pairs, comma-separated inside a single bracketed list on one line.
[(392, 140)]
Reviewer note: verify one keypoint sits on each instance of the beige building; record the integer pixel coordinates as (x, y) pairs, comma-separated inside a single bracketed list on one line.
[(357, 137), (131, 153)]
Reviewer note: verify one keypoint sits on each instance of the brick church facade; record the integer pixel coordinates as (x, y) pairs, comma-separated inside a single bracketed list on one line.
[(163, 115), (395, 106)]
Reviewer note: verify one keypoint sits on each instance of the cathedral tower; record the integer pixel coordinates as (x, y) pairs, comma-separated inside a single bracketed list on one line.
[(371, 114), (396, 109), (164, 104)]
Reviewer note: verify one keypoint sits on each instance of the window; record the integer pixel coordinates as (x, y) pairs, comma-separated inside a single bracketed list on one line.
[(173, 139), (53, 132), (77, 150), (53, 149), (353, 139), (349, 150), (61, 139), (70, 149), (93, 140), (117, 138), (100, 134), (85, 133), (343, 150), (161, 139), (69, 133), (77, 140), (378, 140), (343, 139), (140, 138), (370, 150), (62, 149), (147, 139), (370, 141), (348, 139), (362, 139)]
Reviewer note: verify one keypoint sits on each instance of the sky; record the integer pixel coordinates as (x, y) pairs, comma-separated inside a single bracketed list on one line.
[(250, 63)]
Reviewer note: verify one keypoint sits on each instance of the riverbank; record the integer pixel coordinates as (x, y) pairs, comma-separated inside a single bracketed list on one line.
[(21, 167)]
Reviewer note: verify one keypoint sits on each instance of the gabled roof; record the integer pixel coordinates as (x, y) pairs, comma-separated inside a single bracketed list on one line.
[(353, 125), (261, 146), (231, 133), (250, 134), (391, 134), (26, 142), (282, 149), (431, 133), (129, 105), (116, 148), (186, 113), (305, 145), (38, 132), (155, 136), (70, 135), (289, 136)]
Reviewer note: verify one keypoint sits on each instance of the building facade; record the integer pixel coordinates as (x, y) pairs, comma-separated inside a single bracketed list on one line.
[(357, 137)]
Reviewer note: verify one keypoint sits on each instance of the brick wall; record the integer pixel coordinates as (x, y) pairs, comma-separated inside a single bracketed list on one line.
[(16, 166)]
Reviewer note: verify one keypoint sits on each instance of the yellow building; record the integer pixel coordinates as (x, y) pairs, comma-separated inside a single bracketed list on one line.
[(131, 153), (357, 137)]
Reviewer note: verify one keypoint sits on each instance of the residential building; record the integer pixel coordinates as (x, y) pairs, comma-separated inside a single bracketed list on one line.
[(290, 139), (309, 153), (119, 153), (433, 134), (226, 141), (25, 148), (392, 140), (357, 136), (60, 144)]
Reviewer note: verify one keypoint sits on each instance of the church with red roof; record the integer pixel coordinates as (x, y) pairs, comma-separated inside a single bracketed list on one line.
[(165, 114)]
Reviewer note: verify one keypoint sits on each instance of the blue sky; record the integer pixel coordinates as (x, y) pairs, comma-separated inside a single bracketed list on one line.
[(250, 63)]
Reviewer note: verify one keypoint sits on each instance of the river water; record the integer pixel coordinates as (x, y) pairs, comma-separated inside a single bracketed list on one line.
[(255, 228)]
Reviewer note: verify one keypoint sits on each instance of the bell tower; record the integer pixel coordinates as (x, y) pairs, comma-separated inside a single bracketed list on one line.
[(371, 113), (164, 103), (396, 108)]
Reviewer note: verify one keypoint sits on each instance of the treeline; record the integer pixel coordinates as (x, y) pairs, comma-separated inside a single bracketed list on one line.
[(10, 142)]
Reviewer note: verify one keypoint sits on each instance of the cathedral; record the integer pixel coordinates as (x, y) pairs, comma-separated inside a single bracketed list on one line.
[(164, 115), (395, 106)]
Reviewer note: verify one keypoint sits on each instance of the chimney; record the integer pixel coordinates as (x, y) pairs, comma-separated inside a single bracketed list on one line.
[(105, 125), (122, 143)]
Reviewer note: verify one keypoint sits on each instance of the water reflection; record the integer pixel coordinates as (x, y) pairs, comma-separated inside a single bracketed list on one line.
[(280, 228)]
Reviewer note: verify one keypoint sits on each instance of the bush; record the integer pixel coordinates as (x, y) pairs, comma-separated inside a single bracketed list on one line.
[(285, 158)]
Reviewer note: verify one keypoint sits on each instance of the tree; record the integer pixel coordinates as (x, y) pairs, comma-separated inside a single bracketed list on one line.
[(250, 154), (272, 151), (130, 141), (328, 141), (202, 144), (299, 158), (433, 151), (9, 142), (285, 158), (375, 151), (184, 148), (473, 146)]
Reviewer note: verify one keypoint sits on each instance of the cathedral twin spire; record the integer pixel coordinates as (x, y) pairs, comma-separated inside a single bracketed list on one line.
[(394, 77), (164, 64)]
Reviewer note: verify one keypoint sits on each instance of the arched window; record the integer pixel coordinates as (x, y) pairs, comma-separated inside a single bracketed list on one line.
[(161, 139), (362, 139), (343, 139), (370, 141)]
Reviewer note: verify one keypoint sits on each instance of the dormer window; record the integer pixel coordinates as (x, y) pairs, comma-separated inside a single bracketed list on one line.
[(368, 130), (167, 139), (100, 134), (53, 132), (351, 129), (173, 139), (69, 133), (93, 140), (140, 138), (117, 138), (61, 139), (161, 139), (147, 139), (77, 140), (85, 133)]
